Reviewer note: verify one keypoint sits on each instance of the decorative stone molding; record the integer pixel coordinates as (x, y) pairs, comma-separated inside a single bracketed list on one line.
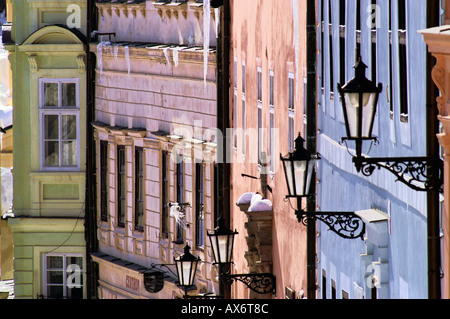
[(32, 59), (438, 76), (81, 63), (259, 212)]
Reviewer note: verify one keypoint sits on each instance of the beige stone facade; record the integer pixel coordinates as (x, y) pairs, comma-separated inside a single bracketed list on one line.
[(152, 94)]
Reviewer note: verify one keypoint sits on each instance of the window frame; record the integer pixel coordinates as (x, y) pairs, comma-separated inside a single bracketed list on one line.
[(121, 216), (60, 111), (199, 205), (291, 111), (45, 270), (139, 181), (180, 195), (104, 185), (165, 188)]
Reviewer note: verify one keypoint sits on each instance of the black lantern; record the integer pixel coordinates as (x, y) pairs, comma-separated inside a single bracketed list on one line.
[(299, 171), (298, 168), (222, 241), (359, 104), (186, 265)]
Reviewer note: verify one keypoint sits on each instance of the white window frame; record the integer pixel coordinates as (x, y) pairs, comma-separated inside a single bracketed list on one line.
[(64, 269), (244, 115), (271, 123), (291, 113), (60, 111)]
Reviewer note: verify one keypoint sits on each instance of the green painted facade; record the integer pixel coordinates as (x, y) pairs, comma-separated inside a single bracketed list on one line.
[(48, 66)]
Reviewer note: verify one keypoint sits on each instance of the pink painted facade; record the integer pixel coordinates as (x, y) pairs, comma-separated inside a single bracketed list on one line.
[(268, 46)]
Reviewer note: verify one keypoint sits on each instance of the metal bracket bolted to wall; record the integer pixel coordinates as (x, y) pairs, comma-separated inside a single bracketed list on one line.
[(263, 283), (347, 225), (419, 173)]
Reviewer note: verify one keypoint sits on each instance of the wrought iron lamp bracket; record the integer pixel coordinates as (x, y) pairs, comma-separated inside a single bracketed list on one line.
[(263, 283), (347, 225), (419, 173)]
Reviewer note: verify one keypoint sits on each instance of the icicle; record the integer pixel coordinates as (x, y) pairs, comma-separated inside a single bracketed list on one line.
[(127, 58), (217, 17), (116, 51), (167, 55), (100, 47), (175, 56), (175, 211), (206, 28)]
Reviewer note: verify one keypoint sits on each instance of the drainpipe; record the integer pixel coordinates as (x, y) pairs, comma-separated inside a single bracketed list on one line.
[(90, 189), (223, 121), (311, 138), (433, 223)]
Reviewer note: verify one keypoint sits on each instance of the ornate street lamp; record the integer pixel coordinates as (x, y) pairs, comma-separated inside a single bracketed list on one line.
[(359, 104), (299, 168), (222, 240), (186, 266)]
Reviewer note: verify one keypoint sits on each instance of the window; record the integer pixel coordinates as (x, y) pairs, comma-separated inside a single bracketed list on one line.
[(199, 206), (291, 112), (139, 189), (104, 180), (324, 284), (235, 111), (259, 84), (305, 106), (63, 276), (344, 294), (403, 61), (391, 65), (271, 89), (333, 289), (259, 116), (121, 186), (331, 48), (243, 110), (164, 194), (322, 45), (342, 40), (58, 104), (271, 123), (59, 116), (180, 196)]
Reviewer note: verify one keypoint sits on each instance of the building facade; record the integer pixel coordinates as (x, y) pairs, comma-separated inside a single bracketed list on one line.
[(46, 46), (267, 112), (155, 145), (395, 260)]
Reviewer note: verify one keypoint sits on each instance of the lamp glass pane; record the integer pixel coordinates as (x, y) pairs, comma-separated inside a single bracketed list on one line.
[(290, 180), (223, 246), (215, 248), (368, 114), (352, 110), (186, 273), (300, 173), (230, 248), (193, 269)]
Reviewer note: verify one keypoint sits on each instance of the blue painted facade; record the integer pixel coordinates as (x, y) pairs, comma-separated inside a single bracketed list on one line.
[(394, 254)]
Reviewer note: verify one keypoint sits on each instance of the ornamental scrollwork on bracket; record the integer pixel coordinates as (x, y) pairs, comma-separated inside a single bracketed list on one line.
[(420, 173), (347, 225), (259, 283)]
